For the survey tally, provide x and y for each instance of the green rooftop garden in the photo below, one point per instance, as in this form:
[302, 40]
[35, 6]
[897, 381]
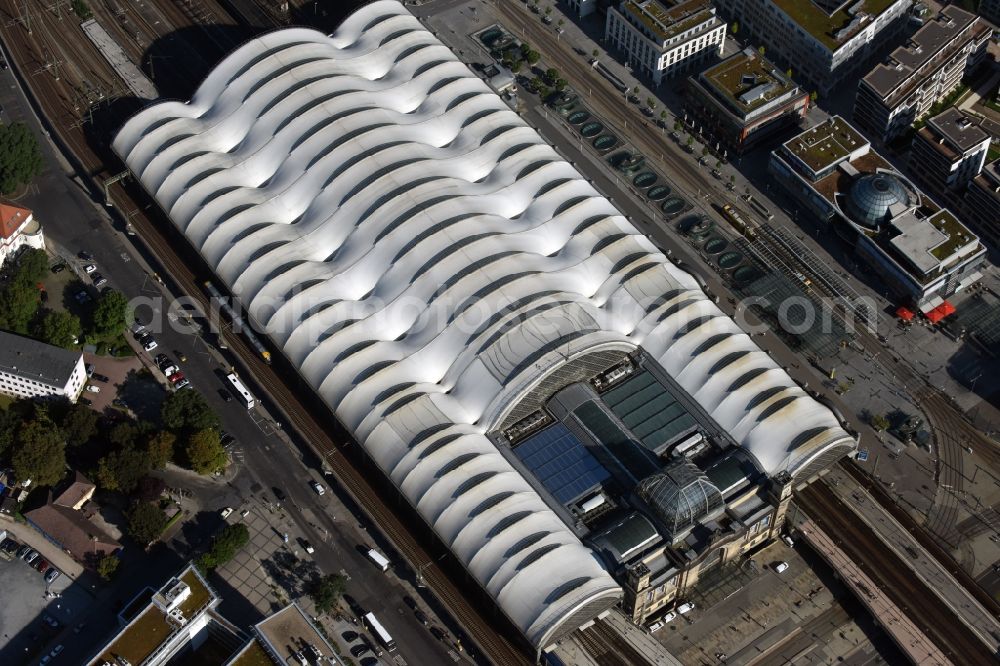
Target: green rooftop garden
[141, 638]
[199, 594]
[825, 144]
[253, 655]
[821, 25]
[727, 78]
[666, 23]
[956, 232]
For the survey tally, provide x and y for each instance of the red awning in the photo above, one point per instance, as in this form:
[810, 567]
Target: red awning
[940, 312]
[904, 313]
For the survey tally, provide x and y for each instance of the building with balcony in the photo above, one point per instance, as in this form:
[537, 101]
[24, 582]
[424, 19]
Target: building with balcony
[455, 291]
[18, 228]
[743, 100]
[659, 42]
[990, 10]
[981, 202]
[825, 42]
[926, 69]
[948, 152]
[920, 250]
[33, 369]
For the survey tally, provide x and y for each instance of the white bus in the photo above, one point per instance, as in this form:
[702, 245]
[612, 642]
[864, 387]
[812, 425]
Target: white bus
[379, 559]
[381, 634]
[241, 391]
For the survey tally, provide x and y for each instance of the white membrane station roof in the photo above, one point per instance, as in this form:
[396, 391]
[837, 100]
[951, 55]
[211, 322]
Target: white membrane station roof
[424, 259]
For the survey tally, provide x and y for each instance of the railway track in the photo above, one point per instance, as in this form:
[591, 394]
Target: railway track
[599, 651]
[893, 577]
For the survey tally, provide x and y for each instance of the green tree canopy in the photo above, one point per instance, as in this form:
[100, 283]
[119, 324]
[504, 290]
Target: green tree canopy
[122, 470]
[79, 424]
[125, 434]
[145, 522]
[32, 265]
[160, 449]
[59, 328]
[19, 302]
[149, 489]
[326, 591]
[39, 454]
[879, 422]
[20, 157]
[204, 452]
[110, 313]
[225, 546]
[187, 410]
[107, 566]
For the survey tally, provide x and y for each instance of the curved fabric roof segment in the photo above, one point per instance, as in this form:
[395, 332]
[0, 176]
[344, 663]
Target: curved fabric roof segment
[424, 257]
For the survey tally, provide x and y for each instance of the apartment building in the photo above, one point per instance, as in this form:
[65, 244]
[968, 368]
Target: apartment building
[31, 369]
[657, 42]
[920, 251]
[990, 10]
[18, 228]
[930, 65]
[744, 99]
[823, 41]
[948, 152]
[981, 202]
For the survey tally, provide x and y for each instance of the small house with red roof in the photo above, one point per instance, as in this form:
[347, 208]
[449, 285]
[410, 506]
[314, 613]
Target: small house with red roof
[18, 228]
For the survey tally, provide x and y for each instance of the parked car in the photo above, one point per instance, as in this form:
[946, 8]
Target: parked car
[279, 493]
[86, 401]
[138, 328]
[161, 359]
[41, 565]
[86, 256]
[82, 296]
[781, 567]
[99, 280]
[49, 620]
[170, 369]
[89, 268]
[788, 540]
[22, 551]
[31, 555]
[656, 626]
[182, 384]
[98, 377]
[685, 608]
[93, 389]
[52, 574]
[175, 377]
[58, 268]
[421, 618]
[225, 395]
[225, 512]
[307, 546]
[180, 356]
[318, 487]
[150, 345]
[9, 546]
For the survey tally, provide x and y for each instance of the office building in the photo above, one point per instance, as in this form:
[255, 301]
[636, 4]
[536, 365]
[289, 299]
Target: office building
[825, 42]
[921, 251]
[438, 273]
[657, 42]
[926, 69]
[744, 99]
[32, 369]
[160, 625]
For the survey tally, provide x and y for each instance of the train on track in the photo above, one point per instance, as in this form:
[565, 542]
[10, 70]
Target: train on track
[239, 323]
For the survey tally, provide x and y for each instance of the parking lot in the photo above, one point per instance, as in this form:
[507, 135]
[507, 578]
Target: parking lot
[34, 613]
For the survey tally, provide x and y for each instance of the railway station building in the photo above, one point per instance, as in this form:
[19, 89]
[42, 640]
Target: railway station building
[920, 251]
[485, 323]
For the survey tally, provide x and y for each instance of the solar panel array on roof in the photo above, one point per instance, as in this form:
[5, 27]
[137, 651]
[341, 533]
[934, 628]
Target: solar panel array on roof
[561, 462]
[646, 407]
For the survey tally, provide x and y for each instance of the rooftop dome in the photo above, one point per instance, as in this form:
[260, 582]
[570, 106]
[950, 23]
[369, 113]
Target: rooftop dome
[680, 496]
[871, 196]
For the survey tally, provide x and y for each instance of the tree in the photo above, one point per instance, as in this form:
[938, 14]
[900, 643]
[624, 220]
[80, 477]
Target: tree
[677, 126]
[718, 164]
[761, 50]
[149, 489]
[230, 540]
[595, 53]
[326, 591]
[548, 10]
[732, 179]
[20, 157]
[10, 423]
[107, 566]
[734, 28]
[561, 22]
[81, 9]
[32, 265]
[880, 422]
[204, 452]
[812, 96]
[690, 140]
[651, 103]
[530, 56]
[788, 72]
[551, 75]
[160, 449]
[663, 116]
[18, 304]
[40, 453]
[635, 91]
[124, 435]
[704, 151]
[58, 328]
[110, 313]
[122, 470]
[187, 410]
[145, 522]
[78, 424]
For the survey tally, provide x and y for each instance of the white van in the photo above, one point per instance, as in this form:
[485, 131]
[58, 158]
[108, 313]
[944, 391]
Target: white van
[685, 608]
[379, 559]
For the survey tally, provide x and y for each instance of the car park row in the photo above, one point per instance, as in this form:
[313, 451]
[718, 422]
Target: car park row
[30, 556]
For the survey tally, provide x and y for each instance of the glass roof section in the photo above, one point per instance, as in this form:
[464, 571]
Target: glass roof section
[649, 411]
[562, 463]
